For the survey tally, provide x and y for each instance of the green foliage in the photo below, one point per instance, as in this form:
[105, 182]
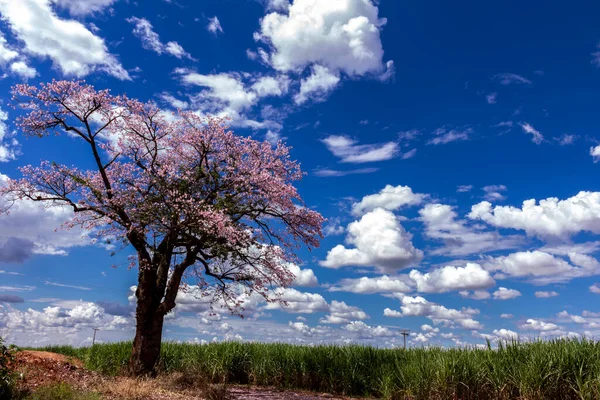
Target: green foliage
[6, 376]
[560, 369]
[61, 391]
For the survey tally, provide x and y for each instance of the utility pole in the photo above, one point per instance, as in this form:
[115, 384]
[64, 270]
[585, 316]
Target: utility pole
[405, 333]
[94, 339]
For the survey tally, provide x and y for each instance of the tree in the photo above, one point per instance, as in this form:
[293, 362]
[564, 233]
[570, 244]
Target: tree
[190, 197]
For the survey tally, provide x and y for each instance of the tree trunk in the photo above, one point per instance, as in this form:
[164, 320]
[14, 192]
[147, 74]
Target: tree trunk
[148, 337]
[149, 322]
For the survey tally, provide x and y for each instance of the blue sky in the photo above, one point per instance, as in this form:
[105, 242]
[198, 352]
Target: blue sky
[423, 127]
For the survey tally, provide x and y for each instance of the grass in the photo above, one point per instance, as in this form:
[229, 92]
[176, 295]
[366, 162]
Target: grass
[559, 369]
[61, 391]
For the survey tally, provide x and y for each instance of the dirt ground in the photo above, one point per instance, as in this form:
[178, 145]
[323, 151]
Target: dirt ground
[39, 368]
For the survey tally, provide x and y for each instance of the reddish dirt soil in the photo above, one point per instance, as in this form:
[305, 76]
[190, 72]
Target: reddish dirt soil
[40, 368]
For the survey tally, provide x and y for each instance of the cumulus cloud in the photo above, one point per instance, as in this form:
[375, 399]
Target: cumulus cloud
[537, 137]
[341, 36]
[494, 192]
[71, 324]
[542, 268]
[545, 294]
[30, 228]
[537, 325]
[9, 147]
[380, 284]
[363, 330]
[20, 68]
[595, 288]
[475, 295]
[390, 198]
[349, 151]
[84, 7]
[420, 307]
[317, 85]
[233, 95]
[379, 241]
[505, 334]
[304, 277]
[450, 278]
[442, 223]
[341, 313]
[151, 41]
[550, 218]
[595, 153]
[68, 43]
[506, 294]
[464, 188]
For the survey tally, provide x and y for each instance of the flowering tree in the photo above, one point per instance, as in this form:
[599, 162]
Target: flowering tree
[190, 197]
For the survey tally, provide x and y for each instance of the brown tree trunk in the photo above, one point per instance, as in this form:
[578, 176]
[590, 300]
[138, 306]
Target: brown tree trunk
[146, 345]
[149, 323]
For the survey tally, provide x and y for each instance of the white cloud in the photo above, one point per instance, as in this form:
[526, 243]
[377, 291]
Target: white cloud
[327, 173]
[507, 79]
[365, 331]
[339, 35]
[491, 98]
[566, 139]
[545, 294]
[7, 54]
[390, 198]
[68, 43]
[151, 41]
[380, 241]
[442, 223]
[537, 325]
[304, 277]
[464, 188]
[506, 294]
[542, 268]
[31, 228]
[214, 25]
[341, 313]
[551, 218]
[299, 302]
[493, 192]
[506, 316]
[333, 227]
[278, 5]
[475, 295]
[174, 102]
[409, 154]
[537, 137]
[449, 278]
[595, 288]
[595, 153]
[349, 151]
[9, 147]
[506, 334]
[447, 135]
[271, 86]
[420, 307]
[380, 284]
[227, 95]
[84, 7]
[21, 69]
[317, 85]
[55, 324]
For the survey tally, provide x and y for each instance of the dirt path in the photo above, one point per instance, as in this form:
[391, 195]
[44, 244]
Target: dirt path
[40, 368]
